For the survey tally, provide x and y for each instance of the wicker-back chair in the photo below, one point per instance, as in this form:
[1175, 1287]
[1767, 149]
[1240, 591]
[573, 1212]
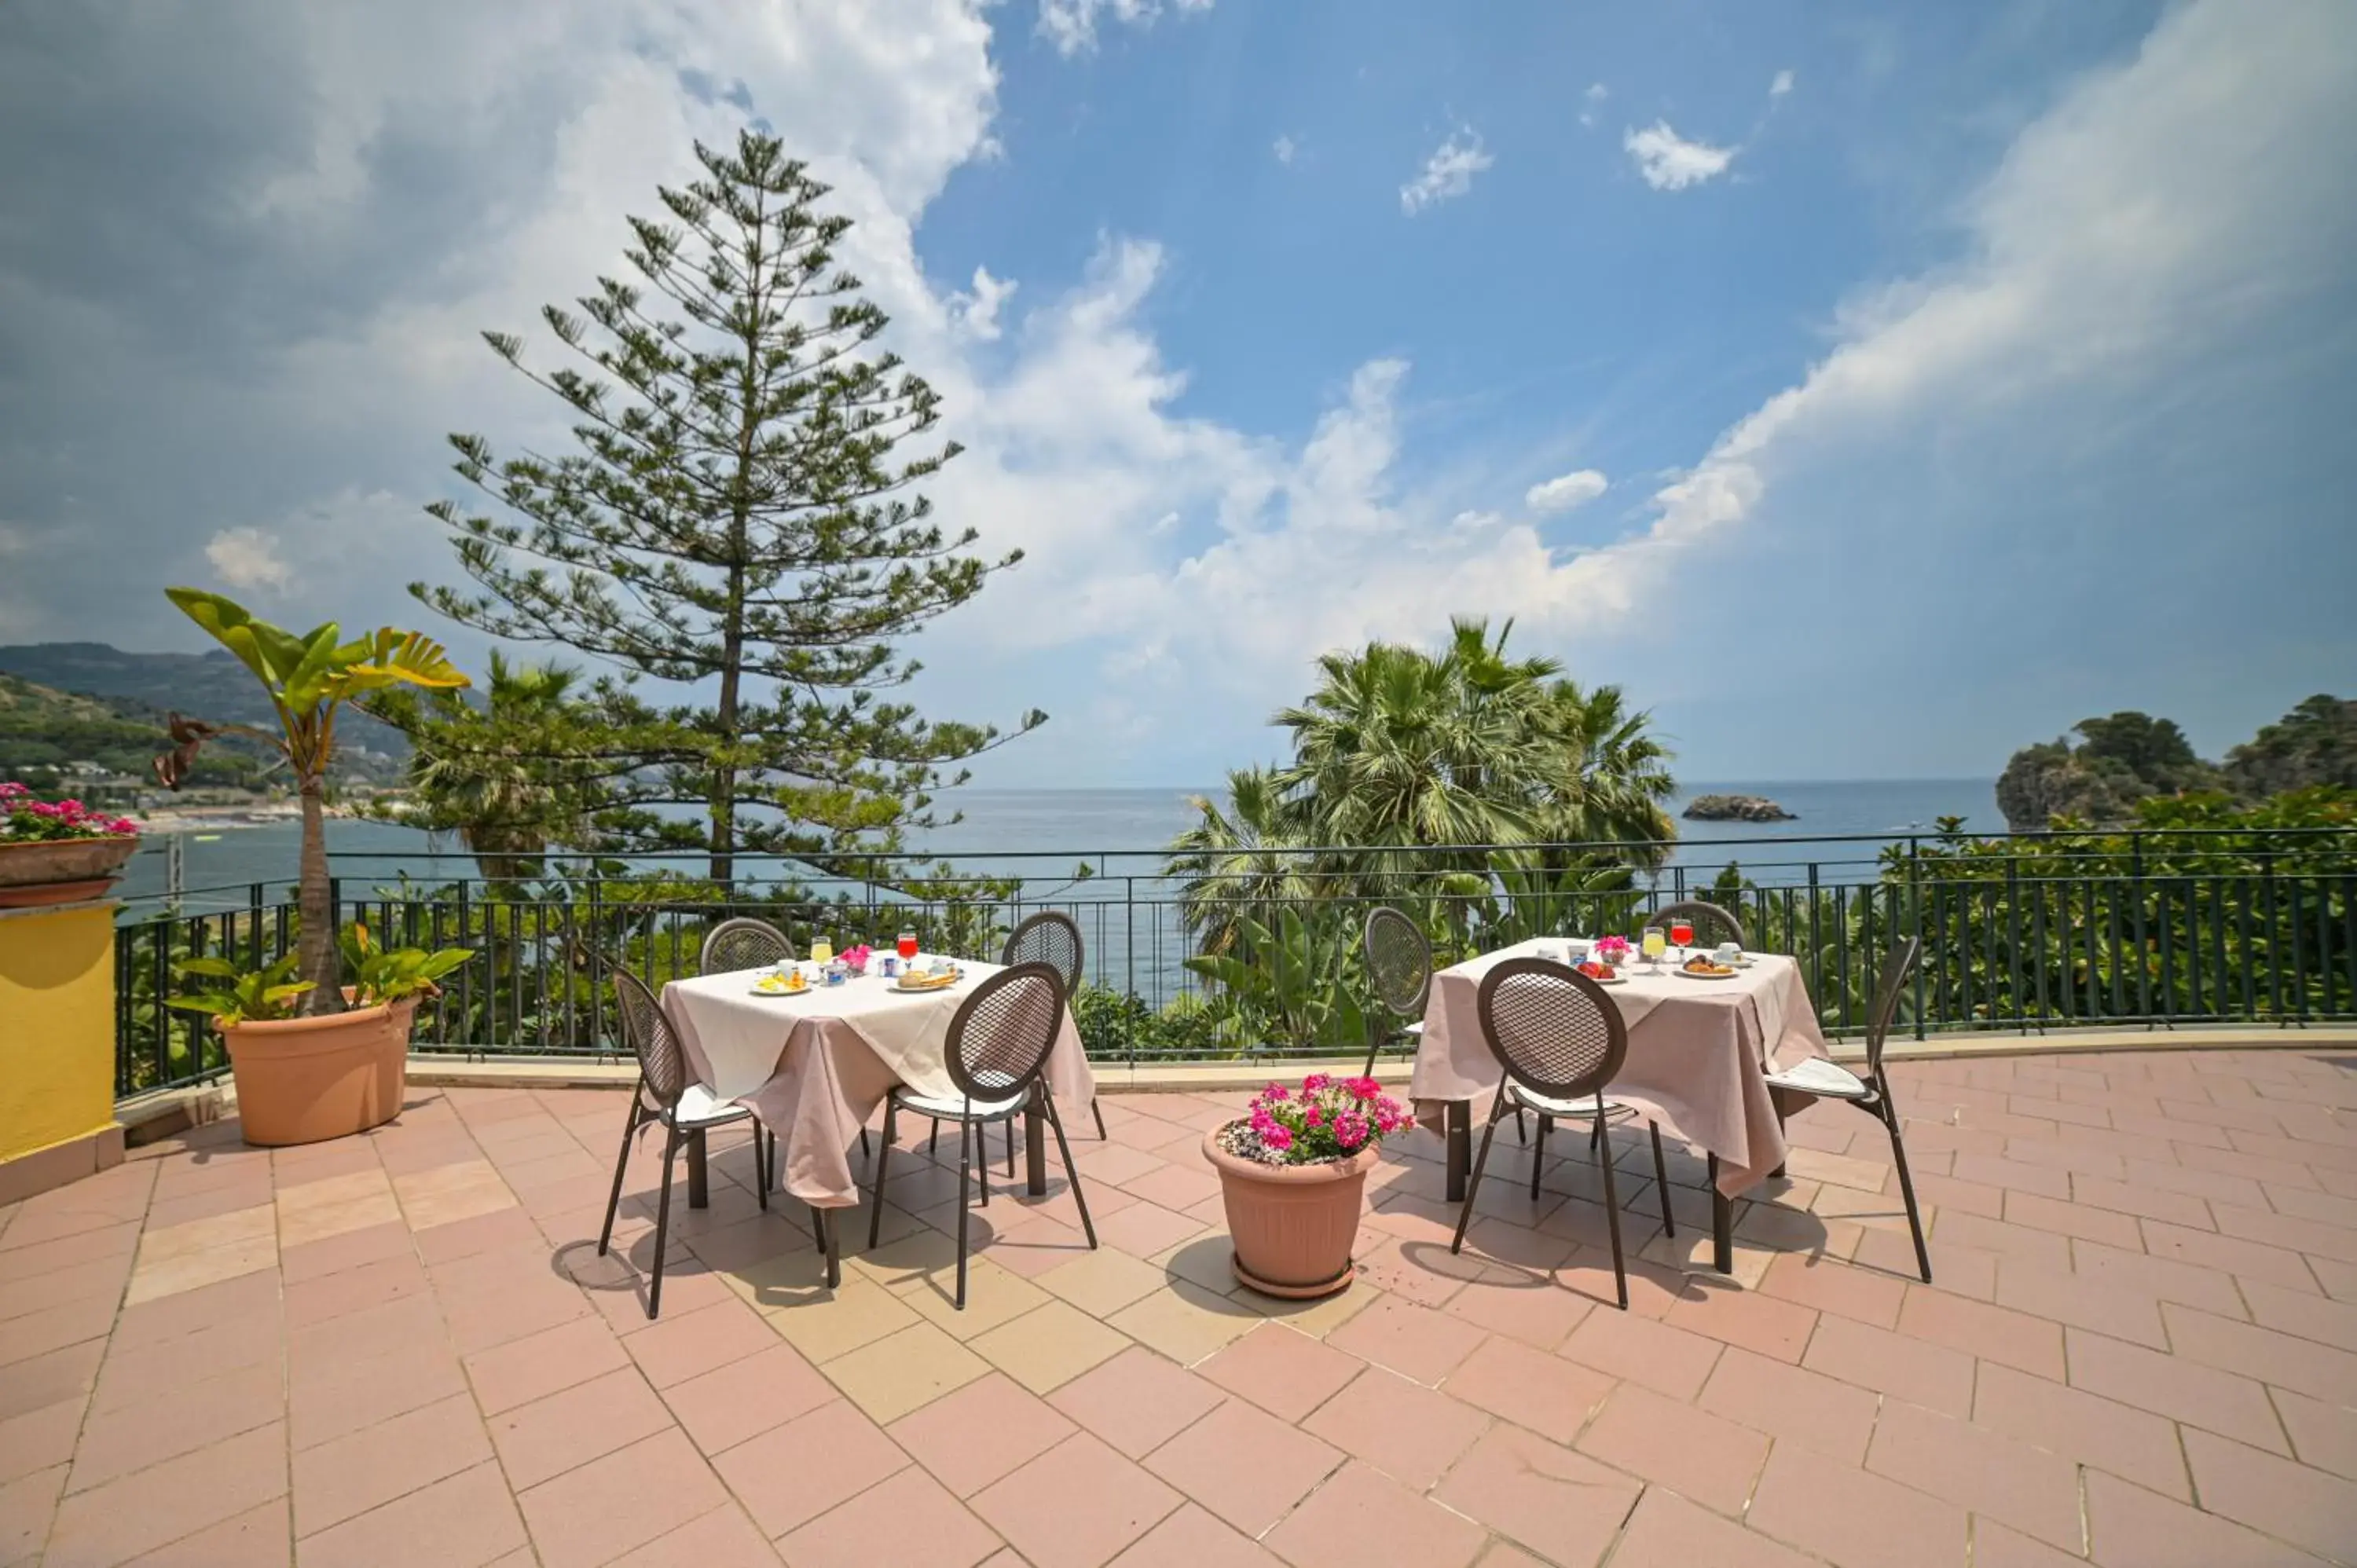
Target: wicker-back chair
[1830, 1080]
[1559, 1040]
[743, 942]
[1712, 924]
[1399, 970]
[668, 1094]
[998, 1048]
[1052, 938]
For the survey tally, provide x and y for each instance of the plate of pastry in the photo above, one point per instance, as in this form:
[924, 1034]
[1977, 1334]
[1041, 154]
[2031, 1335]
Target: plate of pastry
[1700, 967]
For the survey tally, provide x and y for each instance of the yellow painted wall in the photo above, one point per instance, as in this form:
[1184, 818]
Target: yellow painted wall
[56, 1026]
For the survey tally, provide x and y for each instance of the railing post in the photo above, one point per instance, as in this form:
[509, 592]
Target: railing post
[1915, 901]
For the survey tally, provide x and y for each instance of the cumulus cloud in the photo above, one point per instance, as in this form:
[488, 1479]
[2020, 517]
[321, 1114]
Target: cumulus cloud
[1781, 85]
[1565, 491]
[249, 558]
[1670, 162]
[1447, 174]
[1592, 102]
[1285, 149]
[977, 311]
[1071, 25]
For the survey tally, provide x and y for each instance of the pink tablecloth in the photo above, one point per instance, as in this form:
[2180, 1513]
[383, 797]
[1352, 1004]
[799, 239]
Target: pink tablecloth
[1697, 1052]
[821, 1081]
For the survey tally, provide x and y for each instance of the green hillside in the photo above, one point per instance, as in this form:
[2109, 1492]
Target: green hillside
[43, 730]
[212, 686]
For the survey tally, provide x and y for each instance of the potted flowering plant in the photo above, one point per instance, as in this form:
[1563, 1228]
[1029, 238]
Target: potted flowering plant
[57, 852]
[1293, 1174]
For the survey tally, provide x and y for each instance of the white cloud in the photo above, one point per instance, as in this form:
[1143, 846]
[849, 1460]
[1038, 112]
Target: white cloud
[1447, 174]
[250, 559]
[1591, 101]
[1286, 148]
[1565, 491]
[1670, 162]
[977, 313]
[1781, 85]
[1071, 25]
[2143, 223]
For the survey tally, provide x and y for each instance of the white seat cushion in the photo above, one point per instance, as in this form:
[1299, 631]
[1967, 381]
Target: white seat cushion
[1414, 1028]
[1580, 1109]
[1818, 1076]
[699, 1107]
[951, 1108]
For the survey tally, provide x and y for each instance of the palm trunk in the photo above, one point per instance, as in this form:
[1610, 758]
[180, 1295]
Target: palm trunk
[316, 940]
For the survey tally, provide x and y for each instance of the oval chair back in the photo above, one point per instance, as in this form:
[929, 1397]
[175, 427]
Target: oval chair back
[743, 943]
[1896, 968]
[1399, 961]
[1050, 938]
[662, 1066]
[1710, 921]
[1552, 1029]
[1000, 1040]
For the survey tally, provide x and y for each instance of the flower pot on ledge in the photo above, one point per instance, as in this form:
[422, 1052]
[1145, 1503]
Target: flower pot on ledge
[1293, 1226]
[303, 1080]
[60, 871]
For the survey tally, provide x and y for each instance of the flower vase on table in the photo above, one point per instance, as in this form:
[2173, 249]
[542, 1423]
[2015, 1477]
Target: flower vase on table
[1293, 1175]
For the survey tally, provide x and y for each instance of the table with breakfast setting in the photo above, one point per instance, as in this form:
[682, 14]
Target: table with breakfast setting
[815, 1058]
[1701, 1043]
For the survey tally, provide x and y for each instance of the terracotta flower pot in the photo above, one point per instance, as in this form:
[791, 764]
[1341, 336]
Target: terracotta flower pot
[60, 871]
[1292, 1225]
[300, 1080]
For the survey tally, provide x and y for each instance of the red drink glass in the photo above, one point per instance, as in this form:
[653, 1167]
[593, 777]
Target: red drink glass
[1681, 933]
[906, 945]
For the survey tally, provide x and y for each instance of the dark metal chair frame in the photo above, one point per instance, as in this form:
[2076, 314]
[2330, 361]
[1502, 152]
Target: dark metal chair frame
[664, 1084]
[1396, 952]
[1720, 924]
[1549, 1063]
[723, 952]
[1871, 1093]
[724, 944]
[1052, 938]
[997, 1071]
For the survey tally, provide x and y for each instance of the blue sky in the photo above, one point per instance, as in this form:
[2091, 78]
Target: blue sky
[1868, 390]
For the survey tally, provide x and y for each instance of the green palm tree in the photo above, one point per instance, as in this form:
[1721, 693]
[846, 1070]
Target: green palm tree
[1240, 865]
[1610, 776]
[509, 777]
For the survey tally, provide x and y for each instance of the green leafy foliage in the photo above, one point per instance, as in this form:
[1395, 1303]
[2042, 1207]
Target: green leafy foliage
[246, 996]
[379, 973]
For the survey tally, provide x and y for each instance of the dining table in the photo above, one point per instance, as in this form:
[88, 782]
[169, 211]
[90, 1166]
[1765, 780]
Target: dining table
[1699, 1053]
[814, 1064]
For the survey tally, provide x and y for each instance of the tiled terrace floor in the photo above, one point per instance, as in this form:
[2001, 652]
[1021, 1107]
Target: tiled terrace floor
[403, 1349]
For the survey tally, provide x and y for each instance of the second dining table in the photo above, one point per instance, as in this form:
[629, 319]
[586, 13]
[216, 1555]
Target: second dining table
[814, 1065]
[1700, 1052]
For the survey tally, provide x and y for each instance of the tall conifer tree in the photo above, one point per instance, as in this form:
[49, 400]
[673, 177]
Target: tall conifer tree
[734, 523]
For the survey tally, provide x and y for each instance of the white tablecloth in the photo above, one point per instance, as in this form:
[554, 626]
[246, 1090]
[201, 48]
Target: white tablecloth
[815, 1065]
[1698, 1050]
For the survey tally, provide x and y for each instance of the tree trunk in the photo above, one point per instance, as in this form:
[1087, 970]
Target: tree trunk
[316, 937]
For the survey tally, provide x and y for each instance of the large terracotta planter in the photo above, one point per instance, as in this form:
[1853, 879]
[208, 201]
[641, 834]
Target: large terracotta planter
[60, 871]
[300, 1080]
[1292, 1225]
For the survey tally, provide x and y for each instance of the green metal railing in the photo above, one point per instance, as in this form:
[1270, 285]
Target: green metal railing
[2022, 935]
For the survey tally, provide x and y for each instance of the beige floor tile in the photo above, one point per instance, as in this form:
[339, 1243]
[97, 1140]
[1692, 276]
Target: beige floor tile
[911, 1259]
[202, 1235]
[1048, 1347]
[1206, 1261]
[317, 1219]
[1102, 1283]
[993, 1296]
[824, 1323]
[332, 1192]
[1186, 1322]
[1315, 1318]
[193, 1270]
[1690, 1251]
[447, 1193]
[904, 1372]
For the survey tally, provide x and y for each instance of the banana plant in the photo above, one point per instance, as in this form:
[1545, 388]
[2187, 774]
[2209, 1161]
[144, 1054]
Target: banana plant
[250, 996]
[309, 677]
[1295, 982]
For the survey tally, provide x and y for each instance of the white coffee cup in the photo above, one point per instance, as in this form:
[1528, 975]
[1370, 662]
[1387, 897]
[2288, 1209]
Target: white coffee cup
[1728, 952]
